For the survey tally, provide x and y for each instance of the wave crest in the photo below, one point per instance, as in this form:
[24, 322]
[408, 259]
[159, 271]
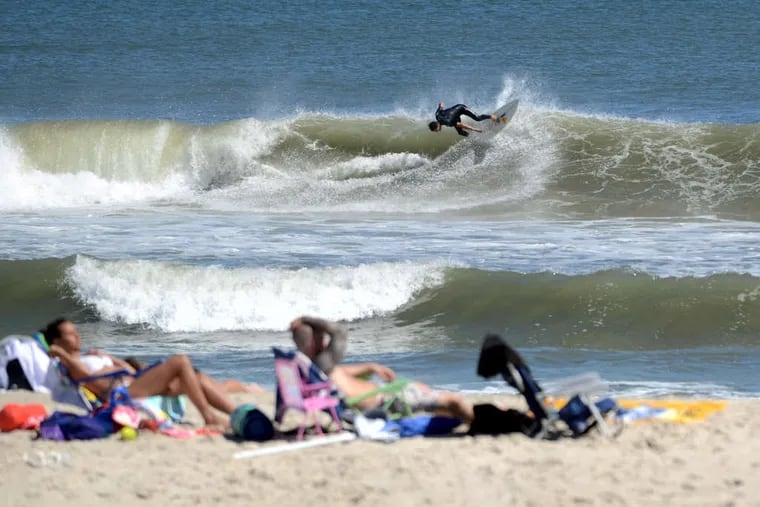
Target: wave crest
[545, 162]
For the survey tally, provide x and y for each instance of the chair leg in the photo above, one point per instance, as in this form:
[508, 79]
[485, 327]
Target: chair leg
[301, 429]
[603, 428]
[336, 419]
[316, 423]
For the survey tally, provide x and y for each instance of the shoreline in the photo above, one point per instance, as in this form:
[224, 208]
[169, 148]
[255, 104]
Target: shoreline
[712, 462]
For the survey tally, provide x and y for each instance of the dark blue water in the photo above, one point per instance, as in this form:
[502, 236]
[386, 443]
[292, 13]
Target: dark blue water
[686, 61]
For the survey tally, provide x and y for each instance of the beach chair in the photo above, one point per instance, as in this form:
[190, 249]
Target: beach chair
[580, 413]
[64, 389]
[308, 392]
[394, 406]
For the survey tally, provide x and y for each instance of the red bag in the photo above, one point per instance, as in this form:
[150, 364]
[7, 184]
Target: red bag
[21, 417]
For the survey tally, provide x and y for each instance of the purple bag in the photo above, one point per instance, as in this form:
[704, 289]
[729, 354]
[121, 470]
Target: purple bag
[68, 426]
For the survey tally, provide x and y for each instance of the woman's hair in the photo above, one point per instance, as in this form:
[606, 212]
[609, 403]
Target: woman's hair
[433, 126]
[52, 331]
[135, 363]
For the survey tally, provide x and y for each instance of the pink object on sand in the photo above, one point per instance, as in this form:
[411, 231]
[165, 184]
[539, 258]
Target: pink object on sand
[307, 398]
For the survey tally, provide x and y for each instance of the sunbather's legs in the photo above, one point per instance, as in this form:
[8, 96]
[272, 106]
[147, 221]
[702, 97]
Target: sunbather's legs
[157, 380]
[235, 386]
[212, 390]
[454, 405]
[215, 395]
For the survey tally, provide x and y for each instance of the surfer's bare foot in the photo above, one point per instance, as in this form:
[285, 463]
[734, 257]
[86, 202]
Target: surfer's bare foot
[494, 117]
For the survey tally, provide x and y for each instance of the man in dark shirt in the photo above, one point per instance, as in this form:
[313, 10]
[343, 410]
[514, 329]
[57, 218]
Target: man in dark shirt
[451, 117]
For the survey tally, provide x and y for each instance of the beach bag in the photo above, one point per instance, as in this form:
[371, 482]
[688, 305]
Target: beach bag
[250, 423]
[68, 426]
[14, 416]
[491, 420]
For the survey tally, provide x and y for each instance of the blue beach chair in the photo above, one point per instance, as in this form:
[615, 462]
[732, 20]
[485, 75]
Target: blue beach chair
[579, 414]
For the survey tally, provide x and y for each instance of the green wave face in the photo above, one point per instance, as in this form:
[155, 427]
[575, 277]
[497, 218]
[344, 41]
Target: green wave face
[614, 309]
[34, 293]
[608, 310]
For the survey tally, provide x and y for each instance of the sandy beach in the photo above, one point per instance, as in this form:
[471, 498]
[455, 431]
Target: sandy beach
[650, 463]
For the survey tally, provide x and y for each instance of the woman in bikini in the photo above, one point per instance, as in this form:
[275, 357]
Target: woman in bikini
[173, 376]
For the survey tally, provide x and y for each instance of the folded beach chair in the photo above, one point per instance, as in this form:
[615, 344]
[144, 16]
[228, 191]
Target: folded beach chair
[580, 413]
[303, 387]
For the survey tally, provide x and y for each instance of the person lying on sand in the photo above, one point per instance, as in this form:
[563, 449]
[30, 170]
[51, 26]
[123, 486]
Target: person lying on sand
[172, 377]
[351, 379]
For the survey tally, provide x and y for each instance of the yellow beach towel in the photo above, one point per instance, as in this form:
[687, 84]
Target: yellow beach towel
[678, 411]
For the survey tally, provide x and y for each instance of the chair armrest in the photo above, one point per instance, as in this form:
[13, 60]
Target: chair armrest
[317, 386]
[391, 387]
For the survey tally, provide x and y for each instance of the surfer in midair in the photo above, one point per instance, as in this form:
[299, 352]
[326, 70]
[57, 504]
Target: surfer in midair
[452, 116]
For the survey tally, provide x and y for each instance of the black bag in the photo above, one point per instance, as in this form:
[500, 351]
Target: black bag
[491, 420]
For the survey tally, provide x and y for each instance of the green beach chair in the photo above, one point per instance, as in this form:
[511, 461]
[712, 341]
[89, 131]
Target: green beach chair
[394, 404]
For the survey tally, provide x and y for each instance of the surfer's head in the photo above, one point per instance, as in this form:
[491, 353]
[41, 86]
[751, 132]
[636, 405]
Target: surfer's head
[434, 126]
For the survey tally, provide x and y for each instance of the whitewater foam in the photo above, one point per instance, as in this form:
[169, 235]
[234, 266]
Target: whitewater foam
[544, 162]
[175, 298]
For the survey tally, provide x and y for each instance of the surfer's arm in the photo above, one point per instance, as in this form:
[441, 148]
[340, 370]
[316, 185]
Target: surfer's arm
[467, 127]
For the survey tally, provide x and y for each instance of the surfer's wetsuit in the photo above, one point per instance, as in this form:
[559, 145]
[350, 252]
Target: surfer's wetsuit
[452, 115]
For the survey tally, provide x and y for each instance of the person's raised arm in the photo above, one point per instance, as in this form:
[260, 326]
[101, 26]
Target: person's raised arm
[367, 369]
[331, 355]
[77, 370]
[468, 127]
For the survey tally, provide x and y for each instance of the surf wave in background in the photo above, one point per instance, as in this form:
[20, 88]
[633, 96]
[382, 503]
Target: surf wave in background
[614, 309]
[174, 297]
[550, 162]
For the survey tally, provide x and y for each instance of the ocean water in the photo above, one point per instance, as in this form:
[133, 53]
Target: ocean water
[191, 178]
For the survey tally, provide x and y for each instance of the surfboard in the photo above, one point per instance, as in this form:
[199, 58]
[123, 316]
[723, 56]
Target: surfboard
[504, 115]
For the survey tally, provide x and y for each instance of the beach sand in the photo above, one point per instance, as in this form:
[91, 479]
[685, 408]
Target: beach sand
[650, 463]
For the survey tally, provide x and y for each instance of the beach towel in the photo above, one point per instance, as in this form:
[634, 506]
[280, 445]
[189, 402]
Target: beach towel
[676, 411]
[23, 364]
[161, 411]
